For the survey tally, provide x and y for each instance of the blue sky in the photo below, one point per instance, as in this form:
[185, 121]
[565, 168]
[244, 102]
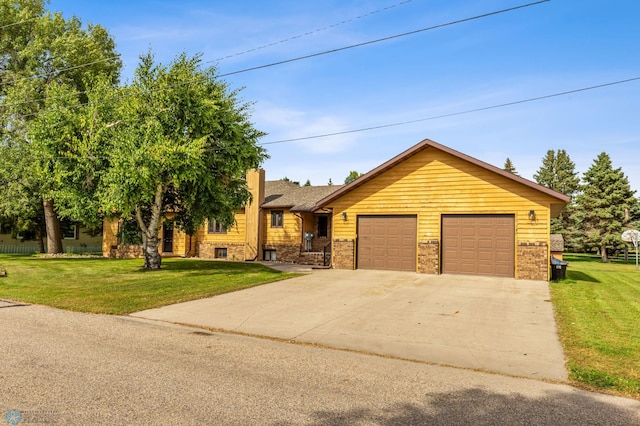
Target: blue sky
[557, 46]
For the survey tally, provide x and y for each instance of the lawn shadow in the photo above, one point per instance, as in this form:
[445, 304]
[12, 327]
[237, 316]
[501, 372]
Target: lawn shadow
[481, 407]
[581, 276]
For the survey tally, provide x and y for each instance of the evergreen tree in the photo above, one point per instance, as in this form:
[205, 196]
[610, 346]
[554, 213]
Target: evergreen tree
[330, 183]
[509, 167]
[601, 207]
[307, 183]
[558, 173]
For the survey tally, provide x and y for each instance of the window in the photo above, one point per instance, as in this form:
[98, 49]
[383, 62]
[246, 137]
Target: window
[69, 230]
[323, 226]
[215, 227]
[270, 255]
[277, 218]
[220, 253]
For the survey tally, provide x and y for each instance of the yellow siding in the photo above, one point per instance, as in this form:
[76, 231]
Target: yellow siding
[236, 234]
[432, 183]
[290, 233]
[109, 232]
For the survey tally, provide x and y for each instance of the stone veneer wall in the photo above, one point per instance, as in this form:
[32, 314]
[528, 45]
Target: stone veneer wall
[126, 251]
[343, 253]
[235, 251]
[285, 252]
[533, 261]
[428, 257]
[311, 258]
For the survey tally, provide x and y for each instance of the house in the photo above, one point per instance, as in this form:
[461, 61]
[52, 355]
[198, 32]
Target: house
[76, 238]
[280, 224]
[434, 210]
[430, 210]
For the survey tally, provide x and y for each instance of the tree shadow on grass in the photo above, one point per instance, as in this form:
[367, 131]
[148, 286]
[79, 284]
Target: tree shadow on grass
[481, 407]
[581, 276]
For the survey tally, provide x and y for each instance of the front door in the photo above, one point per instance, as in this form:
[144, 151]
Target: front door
[167, 237]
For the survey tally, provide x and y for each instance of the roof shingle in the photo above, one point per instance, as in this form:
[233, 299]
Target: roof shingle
[284, 194]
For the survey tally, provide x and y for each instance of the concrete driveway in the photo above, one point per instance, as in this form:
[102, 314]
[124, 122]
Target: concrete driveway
[492, 324]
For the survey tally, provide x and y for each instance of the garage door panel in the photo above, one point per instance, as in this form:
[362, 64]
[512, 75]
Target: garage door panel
[478, 244]
[387, 242]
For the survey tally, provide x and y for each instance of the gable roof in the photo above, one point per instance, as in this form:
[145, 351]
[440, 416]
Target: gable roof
[556, 208]
[283, 194]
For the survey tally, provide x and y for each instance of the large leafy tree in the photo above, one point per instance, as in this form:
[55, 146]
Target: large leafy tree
[45, 60]
[558, 172]
[603, 205]
[182, 146]
[353, 175]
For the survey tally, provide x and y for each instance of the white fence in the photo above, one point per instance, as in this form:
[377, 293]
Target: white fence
[30, 248]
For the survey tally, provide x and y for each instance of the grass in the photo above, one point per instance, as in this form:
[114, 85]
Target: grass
[598, 315]
[597, 306]
[111, 286]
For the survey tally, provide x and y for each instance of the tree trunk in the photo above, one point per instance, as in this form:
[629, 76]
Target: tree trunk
[603, 253]
[150, 239]
[152, 258]
[52, 224]
[40, 238]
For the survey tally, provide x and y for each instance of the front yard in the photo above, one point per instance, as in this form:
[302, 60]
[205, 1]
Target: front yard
[597, 306]
[110, 286]
[598, 315]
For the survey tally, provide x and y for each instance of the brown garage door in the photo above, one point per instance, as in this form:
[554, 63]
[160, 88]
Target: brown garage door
[387, 242]
[478, 244]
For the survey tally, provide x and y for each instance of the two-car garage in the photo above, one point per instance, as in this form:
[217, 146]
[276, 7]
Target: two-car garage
[434, 210]
[471, 244]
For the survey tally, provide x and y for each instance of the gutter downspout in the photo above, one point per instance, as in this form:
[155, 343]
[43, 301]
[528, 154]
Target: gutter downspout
[302, 227]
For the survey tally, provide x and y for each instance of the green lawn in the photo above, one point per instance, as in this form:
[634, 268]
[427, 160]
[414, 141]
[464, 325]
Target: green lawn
[113, 286]
[598, 314]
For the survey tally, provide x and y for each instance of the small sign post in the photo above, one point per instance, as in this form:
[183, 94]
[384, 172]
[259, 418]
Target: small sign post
[632, 236]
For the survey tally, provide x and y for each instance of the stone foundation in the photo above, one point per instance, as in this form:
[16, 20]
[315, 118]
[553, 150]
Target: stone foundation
[428, 257]
[319, 243]
[235, 251]
[284, 252]
[311, 258]
[344, 254]
[533, 261]
[127, 251]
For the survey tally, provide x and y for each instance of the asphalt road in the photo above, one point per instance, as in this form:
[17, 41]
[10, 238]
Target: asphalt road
[60, 367]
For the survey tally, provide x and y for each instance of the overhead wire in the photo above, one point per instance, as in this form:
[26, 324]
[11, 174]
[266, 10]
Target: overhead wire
[453, 114]
[6, 83]
[18, 23]
[214, 60]
[366, 43]
[308, 33]
[326, 52]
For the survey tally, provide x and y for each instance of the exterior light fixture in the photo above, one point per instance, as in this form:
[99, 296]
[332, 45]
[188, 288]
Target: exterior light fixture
[344, 216]
[532, 215]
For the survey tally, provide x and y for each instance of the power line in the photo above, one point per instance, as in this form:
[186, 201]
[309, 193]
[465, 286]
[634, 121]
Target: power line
[459, 21]
[56, 72]
[340, 49]
[435, 117]
[18, 23]
[308, 33]
[215, 60]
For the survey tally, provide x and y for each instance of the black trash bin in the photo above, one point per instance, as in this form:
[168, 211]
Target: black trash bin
[558, 269]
